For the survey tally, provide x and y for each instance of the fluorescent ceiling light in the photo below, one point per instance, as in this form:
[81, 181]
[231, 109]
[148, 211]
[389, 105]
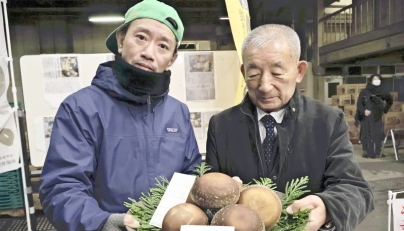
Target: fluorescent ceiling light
[106, 19]
[224, 18]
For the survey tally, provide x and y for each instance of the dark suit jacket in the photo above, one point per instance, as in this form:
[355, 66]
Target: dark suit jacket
[313, 141]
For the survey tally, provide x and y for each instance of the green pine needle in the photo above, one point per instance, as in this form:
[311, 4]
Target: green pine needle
[296, 221]
[267, 182]
[202, 169]
[143, 210]
[293, 222]
[294, 190]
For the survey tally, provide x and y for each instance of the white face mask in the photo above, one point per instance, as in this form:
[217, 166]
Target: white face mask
[376, 82]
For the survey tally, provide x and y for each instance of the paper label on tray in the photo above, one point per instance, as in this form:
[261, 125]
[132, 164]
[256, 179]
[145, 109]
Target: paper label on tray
[176, 193]
[206, 228]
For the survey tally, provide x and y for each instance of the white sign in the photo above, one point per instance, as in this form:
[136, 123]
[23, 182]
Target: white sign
[176, 193]
[206, 228]
[9, 153]
[398, 214]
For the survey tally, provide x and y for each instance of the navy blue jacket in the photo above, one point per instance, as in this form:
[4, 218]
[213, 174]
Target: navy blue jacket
[108, 145]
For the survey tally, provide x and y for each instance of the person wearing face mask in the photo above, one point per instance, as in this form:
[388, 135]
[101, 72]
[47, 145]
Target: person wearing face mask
[111, 140]
[373, 102]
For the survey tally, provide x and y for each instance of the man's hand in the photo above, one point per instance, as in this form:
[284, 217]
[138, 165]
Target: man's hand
[117, 221]
[239, 182]
[367, 112]
[318, 211]
[130, 222]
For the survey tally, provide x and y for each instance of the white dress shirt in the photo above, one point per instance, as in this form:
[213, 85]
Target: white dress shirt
[278, 116]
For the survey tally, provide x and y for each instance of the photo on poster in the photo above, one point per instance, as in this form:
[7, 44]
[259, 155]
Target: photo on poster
[199, 76]
[48, 125]
[200, 123]
[201, 62]
[43, 126]
[69, 66]
[196, 119]
[47, 128]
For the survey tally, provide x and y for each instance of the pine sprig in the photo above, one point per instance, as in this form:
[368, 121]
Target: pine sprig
[292, 222]
[202, 169]
[296, 221]
[143, 210]
[245, 185]
[267, 182]
[294, 189]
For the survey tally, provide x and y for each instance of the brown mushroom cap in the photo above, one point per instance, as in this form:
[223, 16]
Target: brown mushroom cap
[239, 216]
[215, 190]
[264, 201]
[189, 199]
[183, 214]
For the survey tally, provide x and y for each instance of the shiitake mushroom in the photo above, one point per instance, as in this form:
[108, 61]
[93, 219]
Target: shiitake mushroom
[215, 190]
[240, 216]
[183, 214]
[264, 201]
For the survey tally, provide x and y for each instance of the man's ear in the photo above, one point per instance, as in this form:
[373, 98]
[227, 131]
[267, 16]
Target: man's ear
[301, 70]
[120, 36]
[175, 56]
[242, 70]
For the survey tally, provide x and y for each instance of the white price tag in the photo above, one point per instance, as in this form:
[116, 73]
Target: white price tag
[176, 193]
[206, 228]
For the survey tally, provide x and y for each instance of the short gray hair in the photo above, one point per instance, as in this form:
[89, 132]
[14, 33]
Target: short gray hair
[263, 35]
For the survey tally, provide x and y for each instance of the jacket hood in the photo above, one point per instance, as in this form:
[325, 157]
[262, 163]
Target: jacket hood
[106, 80]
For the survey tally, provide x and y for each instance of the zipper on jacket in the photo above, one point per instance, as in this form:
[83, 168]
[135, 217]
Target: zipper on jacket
[256, 144]
[148, 104]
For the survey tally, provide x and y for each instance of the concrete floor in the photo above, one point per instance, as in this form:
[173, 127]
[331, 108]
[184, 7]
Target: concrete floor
[383, 174]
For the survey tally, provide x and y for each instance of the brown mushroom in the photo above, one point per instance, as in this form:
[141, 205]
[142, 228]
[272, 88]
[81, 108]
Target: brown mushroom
[240, 216]
[215, 190]
[264, 201]
[183, 214]
[189, 199]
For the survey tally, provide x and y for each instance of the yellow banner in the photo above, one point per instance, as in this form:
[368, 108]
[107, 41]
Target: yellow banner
[237, 11]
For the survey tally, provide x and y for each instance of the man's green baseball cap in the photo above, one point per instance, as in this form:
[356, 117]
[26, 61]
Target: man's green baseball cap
[152, 9]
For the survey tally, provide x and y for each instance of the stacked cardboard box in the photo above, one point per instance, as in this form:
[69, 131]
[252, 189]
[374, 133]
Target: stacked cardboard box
[394, 119]
[347, 99]
[347, 94]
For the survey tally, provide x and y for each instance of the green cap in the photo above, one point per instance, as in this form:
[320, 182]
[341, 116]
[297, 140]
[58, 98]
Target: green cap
[152, 9]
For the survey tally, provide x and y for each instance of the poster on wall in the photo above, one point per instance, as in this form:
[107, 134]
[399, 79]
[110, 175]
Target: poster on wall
[9, 152]
[200, 123]
[199, 76]
[43, 130]
[61, 74]
[109, 57]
